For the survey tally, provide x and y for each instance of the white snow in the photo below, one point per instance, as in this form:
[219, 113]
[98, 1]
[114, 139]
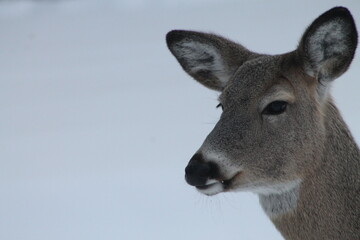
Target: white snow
[98, 120]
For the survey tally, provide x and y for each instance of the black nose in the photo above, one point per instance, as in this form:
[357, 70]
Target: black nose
[198, 171]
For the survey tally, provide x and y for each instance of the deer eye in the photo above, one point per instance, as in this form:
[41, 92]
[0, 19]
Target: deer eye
[275, 108]
[220, 105]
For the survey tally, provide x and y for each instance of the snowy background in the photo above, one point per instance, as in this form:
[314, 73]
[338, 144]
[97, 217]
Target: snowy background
[98, 120]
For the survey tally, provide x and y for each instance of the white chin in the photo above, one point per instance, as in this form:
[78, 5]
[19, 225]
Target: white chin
[211, 189]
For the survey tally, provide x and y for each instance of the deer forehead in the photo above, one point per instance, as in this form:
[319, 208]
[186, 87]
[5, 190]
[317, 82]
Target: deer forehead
[260, 79]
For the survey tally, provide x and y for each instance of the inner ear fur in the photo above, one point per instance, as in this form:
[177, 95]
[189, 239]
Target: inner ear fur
[328, 45]
[208, 58]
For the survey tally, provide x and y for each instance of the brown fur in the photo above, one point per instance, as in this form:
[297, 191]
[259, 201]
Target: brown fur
[329, 202]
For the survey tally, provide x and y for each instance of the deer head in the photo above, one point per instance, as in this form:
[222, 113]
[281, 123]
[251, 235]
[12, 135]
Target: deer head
[271, 132]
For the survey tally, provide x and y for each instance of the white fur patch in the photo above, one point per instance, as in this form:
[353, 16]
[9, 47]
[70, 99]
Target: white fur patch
[279, 199]
[202, 57]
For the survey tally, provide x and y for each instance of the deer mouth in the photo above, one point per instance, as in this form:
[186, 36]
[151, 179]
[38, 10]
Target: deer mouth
[211, 187]
[215, 186]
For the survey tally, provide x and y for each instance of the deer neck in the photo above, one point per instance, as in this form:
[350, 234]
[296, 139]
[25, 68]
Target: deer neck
[325, 204]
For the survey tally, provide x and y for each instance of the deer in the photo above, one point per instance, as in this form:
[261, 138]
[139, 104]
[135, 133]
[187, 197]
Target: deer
[280, 134]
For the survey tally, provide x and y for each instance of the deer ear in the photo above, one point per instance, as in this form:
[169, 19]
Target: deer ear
[209, 59]
[328, 46]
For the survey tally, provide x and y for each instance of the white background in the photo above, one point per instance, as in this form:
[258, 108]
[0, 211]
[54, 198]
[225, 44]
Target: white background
[98, 120]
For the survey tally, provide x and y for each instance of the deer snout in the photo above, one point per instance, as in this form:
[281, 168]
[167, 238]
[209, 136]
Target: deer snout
[198, 171]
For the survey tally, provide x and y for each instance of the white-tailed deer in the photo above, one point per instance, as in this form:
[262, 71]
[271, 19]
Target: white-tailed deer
[280, 134]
